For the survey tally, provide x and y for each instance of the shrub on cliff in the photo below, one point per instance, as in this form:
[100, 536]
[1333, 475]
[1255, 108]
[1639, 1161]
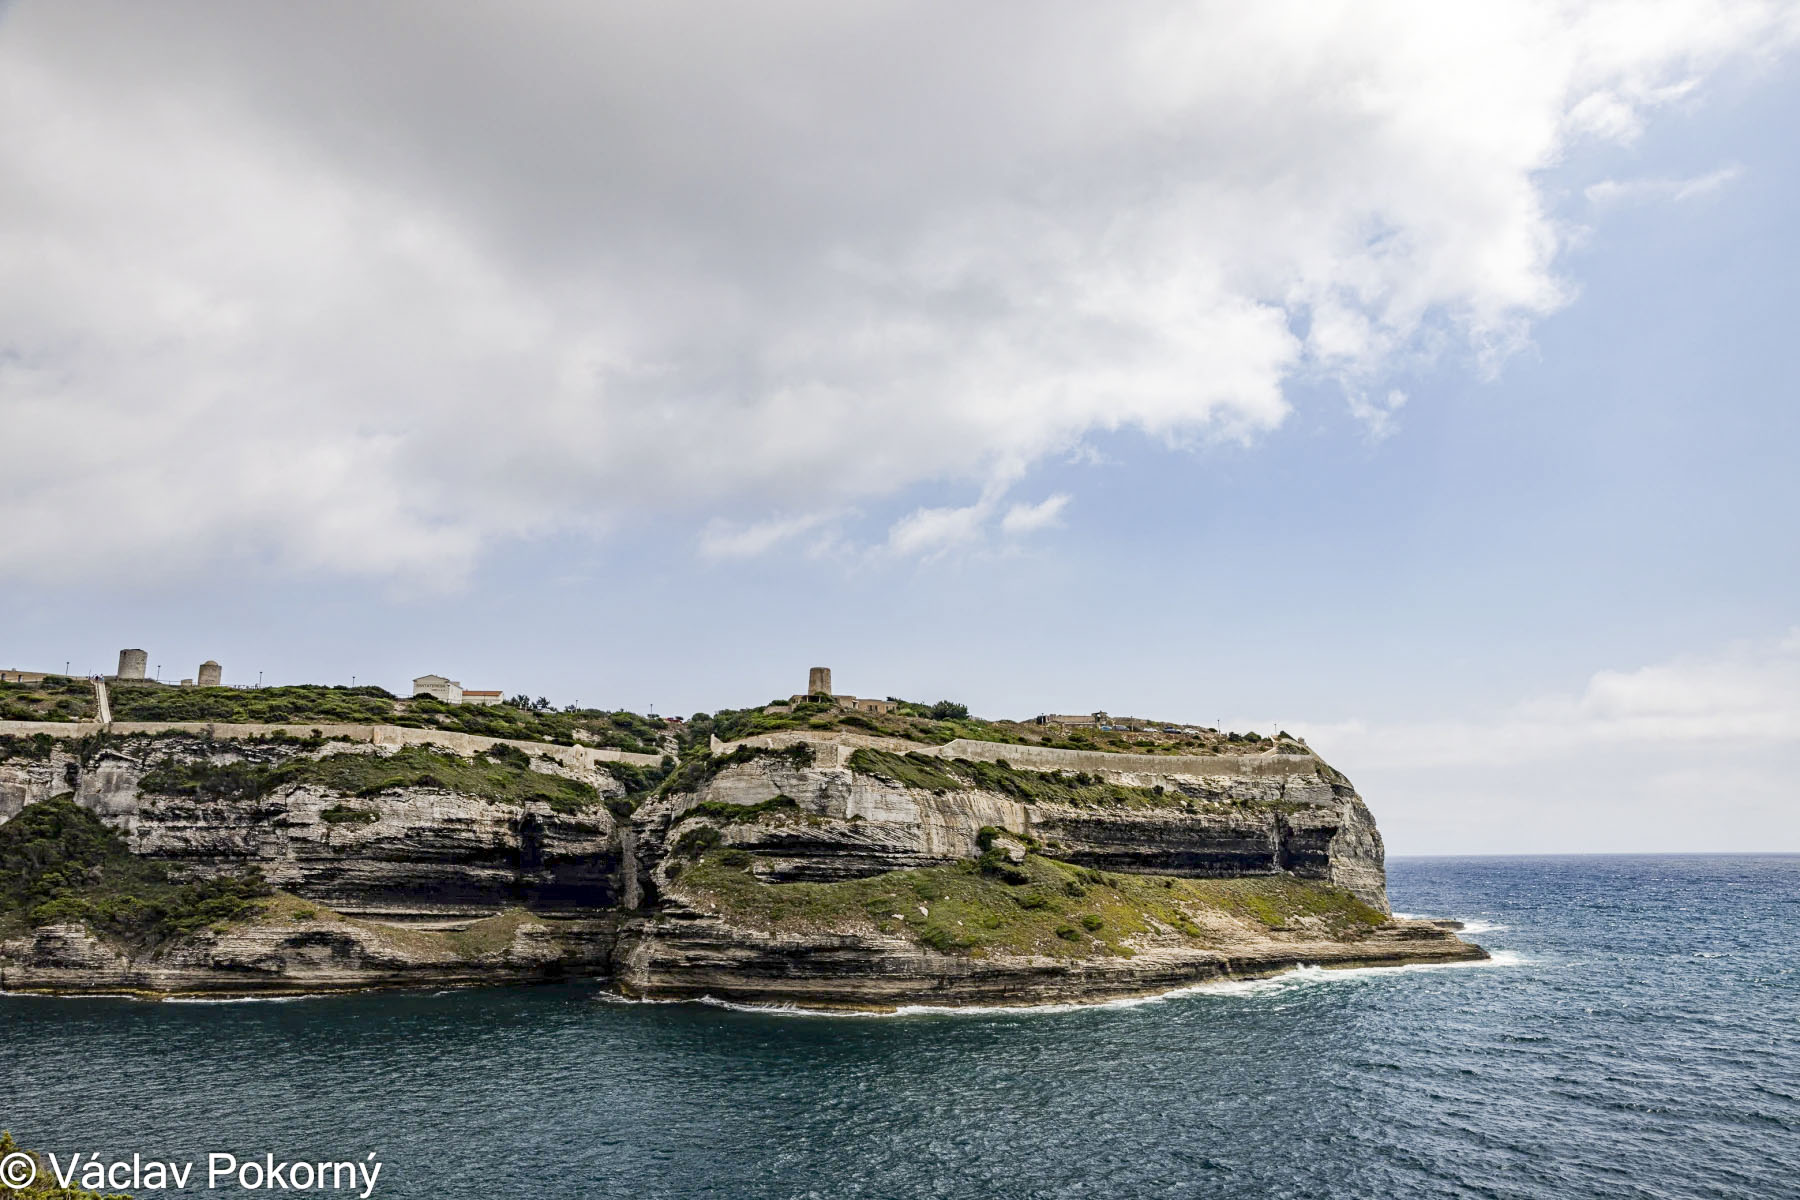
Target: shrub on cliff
[43, 1187]
[957, 908]
[1028, 787]
[505, 777]
[696, 841]
[36, 748]
[696, 771]
[60, 863]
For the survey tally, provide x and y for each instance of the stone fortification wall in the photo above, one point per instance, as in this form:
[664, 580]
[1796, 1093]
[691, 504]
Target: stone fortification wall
[578, 757]
[834, 748]
[830, 748]
[61, 729]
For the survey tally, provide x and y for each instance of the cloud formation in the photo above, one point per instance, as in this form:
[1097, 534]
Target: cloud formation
[368, 291]
[1746, 695]
[1624, 191]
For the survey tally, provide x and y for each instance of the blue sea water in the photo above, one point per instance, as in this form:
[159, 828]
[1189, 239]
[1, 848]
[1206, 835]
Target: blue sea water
[1637, 1036]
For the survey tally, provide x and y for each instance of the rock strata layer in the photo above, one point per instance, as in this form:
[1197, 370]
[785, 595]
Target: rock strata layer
[425, 885]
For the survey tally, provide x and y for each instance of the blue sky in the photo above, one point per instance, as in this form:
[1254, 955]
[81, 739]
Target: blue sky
[1545, 604]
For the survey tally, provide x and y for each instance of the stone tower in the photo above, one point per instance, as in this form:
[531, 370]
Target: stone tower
[818, 681]
[209, 674]
[133, 663]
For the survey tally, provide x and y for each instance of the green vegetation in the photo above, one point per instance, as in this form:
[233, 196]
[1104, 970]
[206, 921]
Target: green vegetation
[911, 721]
[56, 698]
[343, 814]
[300, 705]
[60, 863]
[1058, 909]
[43, 1187]
[318, 705]
[1028, 787]
[700, 767]
[620, 730]
[718, 810]
[696, 841]
[209, 781]
[947, 720]
[499, 776]
[498, 781]
[35, 748]
[639, 781]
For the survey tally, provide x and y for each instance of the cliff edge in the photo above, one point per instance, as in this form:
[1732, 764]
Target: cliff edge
[823, 868]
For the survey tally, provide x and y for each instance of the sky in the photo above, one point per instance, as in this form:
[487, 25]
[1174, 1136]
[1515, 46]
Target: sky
[1417, 378]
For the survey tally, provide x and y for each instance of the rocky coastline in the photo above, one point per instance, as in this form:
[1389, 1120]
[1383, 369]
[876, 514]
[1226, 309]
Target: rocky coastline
[813, 874]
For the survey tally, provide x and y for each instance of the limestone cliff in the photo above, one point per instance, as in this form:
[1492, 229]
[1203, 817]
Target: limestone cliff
[822, 876]
[852, 823]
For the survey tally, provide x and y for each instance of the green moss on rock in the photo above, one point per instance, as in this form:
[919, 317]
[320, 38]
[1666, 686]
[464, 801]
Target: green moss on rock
[960, 909]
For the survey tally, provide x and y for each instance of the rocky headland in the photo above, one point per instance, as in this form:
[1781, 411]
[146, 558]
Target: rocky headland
[838, 866]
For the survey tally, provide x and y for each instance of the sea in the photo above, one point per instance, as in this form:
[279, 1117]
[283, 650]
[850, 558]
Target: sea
[1636, 1034]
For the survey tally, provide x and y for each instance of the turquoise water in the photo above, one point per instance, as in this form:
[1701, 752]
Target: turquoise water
[1639, 1036]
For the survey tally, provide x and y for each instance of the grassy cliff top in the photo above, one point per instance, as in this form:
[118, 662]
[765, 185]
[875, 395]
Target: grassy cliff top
[502, 775]
[57, 698]
[917, 722]
[1078, 788]
[315, 704]
[926, 724]
[1045, 907]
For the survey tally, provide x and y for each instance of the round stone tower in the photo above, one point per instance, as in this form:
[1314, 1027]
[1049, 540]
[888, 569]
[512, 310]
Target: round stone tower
[818, 681]
[208, 675]
[133, 664]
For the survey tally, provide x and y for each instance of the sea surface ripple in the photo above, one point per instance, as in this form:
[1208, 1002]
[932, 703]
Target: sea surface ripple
[1638, 1036]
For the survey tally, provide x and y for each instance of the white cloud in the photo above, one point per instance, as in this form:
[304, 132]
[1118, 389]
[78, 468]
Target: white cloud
[369, 297]
[1697, 754]
[928, 531]
[1744, 695]
[723, 539]
[1022, 519]
[1610, 192]
[1377, 416]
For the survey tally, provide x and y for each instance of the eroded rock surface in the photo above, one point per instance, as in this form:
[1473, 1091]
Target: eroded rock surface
[591, 893]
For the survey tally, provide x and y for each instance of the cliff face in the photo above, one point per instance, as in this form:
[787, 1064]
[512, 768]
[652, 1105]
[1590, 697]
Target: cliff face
[753, 881]
[848, 825]
[406, 850]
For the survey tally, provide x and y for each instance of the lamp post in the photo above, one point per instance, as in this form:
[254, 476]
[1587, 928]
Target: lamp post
[259, 679]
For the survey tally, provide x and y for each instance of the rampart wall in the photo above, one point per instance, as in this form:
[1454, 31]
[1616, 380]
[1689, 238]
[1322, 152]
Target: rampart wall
[833, 749]
[578, 757]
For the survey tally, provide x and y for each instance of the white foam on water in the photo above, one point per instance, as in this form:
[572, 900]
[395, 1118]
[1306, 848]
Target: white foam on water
[291, 999]
[76, 995]
[154, 998]
[1295, 977]
[1469, 924]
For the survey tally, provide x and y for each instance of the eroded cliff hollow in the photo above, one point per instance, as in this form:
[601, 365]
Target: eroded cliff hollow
[807, 873]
